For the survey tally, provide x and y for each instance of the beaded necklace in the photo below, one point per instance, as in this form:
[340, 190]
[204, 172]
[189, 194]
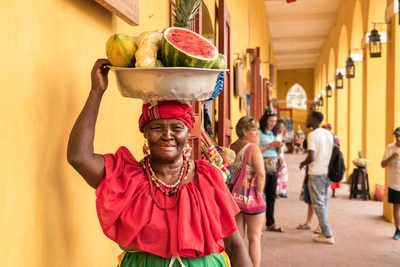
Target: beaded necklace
[169, 190]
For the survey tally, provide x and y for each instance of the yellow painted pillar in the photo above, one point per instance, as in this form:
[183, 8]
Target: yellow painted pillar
[374, 115]
[330, 108]
[392, 98]
[353, 89]
[340, 128]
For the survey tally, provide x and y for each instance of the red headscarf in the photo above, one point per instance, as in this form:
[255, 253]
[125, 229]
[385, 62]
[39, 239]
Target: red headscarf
[166, 110]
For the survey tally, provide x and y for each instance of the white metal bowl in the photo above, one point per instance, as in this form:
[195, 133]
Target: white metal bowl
[361, 164]
[166, 83]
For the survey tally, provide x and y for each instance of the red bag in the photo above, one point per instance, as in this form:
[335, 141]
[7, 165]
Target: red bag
[379, 191]
[244, 191]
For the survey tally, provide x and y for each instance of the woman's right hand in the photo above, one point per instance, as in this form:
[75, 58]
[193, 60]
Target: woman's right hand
[100, 74]
[80, 151]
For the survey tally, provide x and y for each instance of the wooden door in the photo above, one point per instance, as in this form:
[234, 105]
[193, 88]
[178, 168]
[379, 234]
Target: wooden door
[224, 99]
[256, 93]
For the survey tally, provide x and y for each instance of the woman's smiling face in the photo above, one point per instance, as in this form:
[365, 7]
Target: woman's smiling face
[166, 139]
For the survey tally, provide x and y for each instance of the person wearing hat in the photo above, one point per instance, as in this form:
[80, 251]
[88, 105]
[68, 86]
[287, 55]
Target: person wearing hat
[165, 209]
[391, 159]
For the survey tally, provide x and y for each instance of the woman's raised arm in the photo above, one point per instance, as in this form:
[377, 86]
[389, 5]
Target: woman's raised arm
[80, 151]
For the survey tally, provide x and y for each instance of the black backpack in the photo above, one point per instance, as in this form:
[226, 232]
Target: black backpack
[336, 167]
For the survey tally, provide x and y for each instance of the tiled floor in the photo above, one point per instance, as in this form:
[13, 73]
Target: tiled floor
[362, 236]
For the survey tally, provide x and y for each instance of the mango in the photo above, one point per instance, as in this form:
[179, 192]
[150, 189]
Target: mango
[121, 49]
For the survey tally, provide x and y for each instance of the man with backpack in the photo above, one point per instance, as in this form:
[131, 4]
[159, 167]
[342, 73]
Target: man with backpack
[319, 151]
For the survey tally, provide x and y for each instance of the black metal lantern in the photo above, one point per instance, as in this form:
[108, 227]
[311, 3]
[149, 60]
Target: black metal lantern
[320, 101]
[315, 106]
[350, 68]
[328, 90]
[375, 44]
[339, 81]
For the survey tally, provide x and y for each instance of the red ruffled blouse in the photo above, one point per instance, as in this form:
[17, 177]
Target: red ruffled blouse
[204, 215]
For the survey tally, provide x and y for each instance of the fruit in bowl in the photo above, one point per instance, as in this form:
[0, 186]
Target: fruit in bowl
[361, 162]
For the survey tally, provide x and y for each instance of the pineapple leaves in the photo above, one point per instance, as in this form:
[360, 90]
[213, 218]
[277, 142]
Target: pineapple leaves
[184, 12]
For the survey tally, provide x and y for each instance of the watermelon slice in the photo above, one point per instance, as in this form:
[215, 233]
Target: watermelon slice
[181, 47]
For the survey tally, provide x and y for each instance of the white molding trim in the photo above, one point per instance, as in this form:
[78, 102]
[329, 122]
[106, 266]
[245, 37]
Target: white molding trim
[341, 70]
[391, 9]
[382, 35]
[356, 56]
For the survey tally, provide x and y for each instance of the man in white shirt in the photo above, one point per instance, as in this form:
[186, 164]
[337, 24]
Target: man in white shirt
[319, 151]
[391, 159]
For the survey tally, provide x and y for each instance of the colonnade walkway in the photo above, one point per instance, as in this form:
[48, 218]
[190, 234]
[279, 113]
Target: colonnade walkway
[362, 236]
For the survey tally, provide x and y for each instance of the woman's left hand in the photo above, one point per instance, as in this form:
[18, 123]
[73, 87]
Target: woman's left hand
[277, 144]
[236, 250]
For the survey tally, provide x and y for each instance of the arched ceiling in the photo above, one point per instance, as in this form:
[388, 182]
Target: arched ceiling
[299, 30]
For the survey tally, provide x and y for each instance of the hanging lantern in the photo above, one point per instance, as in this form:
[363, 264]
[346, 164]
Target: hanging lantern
[339, 81]
[328, 90]
[320, 101]
[350, 68]
[375, 44]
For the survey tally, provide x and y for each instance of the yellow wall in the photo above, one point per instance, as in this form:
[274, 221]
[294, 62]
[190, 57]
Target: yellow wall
[363, 110]
[248, 31]
[48, 49]
[343, 110]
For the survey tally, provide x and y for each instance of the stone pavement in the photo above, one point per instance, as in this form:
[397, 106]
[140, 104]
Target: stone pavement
[362, 236]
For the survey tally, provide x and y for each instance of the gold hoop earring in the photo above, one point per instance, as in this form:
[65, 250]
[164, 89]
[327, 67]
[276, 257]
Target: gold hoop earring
[146, 150]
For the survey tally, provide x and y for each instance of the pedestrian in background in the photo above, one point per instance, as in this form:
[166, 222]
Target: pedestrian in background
[334, 185]
[319, 152]
[283, 175]
[270, 149]
[249, 138]
[305, 196]
[391, 159]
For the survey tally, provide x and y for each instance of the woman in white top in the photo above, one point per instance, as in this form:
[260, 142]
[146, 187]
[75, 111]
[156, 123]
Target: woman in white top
[283, 175]
[247, 131]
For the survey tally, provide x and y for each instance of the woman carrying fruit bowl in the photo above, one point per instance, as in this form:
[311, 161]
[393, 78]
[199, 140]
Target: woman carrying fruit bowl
[165, 209]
